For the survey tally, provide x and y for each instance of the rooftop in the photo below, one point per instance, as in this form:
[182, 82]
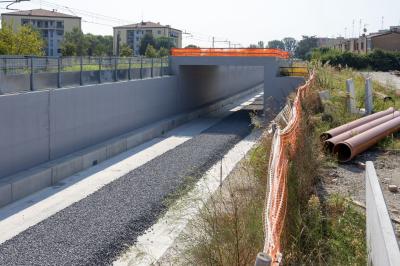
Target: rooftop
[40, 13]
[145, 24]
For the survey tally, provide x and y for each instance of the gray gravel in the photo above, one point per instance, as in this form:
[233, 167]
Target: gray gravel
[95, 230]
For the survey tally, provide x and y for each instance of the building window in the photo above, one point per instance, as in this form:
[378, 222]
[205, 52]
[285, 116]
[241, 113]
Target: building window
[60, 32]
[159, 31]
[25, 21]
[60, 24]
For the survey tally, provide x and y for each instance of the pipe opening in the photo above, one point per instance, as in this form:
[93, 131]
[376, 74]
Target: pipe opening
[328, 146]
[343, 152]
[325, 136]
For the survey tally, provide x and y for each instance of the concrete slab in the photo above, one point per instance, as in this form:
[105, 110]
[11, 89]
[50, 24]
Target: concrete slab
[28, 183]
[5, 194]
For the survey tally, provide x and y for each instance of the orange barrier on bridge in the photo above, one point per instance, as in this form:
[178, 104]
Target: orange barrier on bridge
[244, 52]
[283, 148]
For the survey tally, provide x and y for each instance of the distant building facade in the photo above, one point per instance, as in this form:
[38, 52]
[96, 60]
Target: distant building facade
[132, 35]
[52, 25]
[388, 40]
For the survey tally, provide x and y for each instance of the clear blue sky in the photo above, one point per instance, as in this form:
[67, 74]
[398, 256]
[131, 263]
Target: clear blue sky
[241, 22]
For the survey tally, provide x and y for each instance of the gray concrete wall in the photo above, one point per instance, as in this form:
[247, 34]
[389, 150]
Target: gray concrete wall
[381, 239]
[46, 125]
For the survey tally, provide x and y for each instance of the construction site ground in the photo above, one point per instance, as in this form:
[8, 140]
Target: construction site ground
[348, 180]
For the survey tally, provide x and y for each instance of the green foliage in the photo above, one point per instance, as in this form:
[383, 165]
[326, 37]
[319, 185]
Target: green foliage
[163, 52]
[377, 60]
[260, 44]
[26, 41]
[126, 51]
[277, 44]
[305, 46]
[164, 42]
[290, 44]
[191, 46]
[151, 52]
[76, 43]
[146, 40]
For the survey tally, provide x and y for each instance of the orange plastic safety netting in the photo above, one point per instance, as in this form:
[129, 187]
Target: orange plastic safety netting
[244, 52]
[283, 147]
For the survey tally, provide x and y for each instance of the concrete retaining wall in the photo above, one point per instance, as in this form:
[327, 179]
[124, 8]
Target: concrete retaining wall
[41, 126]
[381, 240]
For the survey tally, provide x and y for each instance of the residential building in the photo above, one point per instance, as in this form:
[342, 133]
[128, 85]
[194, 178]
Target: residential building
[51, 24]
[132, 35]
[328, 42]
[388, 40]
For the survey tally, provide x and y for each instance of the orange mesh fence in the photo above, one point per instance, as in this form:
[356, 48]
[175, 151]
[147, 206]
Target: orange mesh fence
[283, 147]
[244, 52]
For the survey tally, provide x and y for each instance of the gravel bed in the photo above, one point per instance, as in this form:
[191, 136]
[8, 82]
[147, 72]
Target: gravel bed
[95, 230]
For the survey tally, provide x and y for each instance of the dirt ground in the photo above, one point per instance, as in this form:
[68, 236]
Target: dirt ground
[349, 179]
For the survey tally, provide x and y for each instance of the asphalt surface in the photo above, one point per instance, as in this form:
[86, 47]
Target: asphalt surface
[95, 230]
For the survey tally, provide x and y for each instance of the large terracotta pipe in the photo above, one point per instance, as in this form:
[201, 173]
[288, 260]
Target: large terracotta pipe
[346, 150]
[339, 130]
[330, 143]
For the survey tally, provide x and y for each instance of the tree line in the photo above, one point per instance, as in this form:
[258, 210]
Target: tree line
[300, 49]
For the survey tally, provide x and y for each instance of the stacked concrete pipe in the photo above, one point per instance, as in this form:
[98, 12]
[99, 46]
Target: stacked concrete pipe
[351, 139]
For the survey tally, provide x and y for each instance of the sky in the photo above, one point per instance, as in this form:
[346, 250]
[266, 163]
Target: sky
[240, 22]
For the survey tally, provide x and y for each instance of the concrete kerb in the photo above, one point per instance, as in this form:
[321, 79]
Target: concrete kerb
[32, 180]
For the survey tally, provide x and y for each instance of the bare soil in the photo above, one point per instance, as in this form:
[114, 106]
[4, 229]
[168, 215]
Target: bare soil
[348, 180]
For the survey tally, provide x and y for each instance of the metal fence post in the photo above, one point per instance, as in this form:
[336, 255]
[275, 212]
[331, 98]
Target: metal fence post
[5, 65]
[161, 69]
[141, 67]
[59, 62]
[81, 71]
[129, 68]
[115, 69]
[152, 67]
[100, 69]
[32, 87]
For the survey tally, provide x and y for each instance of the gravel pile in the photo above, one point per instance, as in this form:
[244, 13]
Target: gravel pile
[95, 230]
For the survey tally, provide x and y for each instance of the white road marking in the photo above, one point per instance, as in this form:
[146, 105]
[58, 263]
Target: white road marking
[151, 246]
[20, 215]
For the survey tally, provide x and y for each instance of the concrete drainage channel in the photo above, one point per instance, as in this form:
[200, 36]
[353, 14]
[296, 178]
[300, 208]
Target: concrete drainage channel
[27, 182]
[98, 212]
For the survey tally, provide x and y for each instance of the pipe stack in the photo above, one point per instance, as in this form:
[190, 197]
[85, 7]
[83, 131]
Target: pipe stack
[351, 139]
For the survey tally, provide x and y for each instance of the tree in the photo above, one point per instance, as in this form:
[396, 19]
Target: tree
[147, 39]
[290, 44]
[151, 51]
[163, 52]
[26, 41]
[165, 42]
[191, 46]
[260, 44]
[305, 46]
[126, 51]
[75, 42]
[253, 46]
[277, 44]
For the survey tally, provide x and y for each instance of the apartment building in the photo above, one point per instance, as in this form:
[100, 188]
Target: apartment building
[388, 40]
[51, 24]
[132, 35]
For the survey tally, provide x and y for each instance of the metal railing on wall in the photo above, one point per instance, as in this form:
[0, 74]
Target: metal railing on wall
[58, 72]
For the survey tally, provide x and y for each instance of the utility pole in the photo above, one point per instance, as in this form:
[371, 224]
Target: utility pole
[213, 41]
